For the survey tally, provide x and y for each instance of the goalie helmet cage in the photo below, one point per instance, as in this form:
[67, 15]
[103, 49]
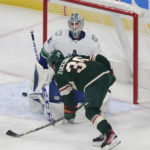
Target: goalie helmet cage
[111, 8]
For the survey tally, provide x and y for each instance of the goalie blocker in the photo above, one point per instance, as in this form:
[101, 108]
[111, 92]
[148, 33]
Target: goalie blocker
[41, 77]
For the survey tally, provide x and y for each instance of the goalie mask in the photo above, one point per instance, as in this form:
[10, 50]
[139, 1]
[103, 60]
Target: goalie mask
[76, 23]
[55, 57]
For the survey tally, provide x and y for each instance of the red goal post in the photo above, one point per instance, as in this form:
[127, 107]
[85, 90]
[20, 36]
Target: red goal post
[115, 7]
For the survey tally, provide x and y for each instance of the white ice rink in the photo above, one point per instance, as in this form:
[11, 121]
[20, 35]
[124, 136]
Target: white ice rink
[130, 122]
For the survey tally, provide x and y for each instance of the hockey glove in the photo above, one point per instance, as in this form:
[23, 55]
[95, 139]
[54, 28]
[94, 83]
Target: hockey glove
[69, 114]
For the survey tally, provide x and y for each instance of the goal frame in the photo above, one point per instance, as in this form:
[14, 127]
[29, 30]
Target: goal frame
[135, 17]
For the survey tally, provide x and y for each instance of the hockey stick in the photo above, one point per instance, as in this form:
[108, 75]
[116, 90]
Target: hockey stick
[13, 134]
[45, 95]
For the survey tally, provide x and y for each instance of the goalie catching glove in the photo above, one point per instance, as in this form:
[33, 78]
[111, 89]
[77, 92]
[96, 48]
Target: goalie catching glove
[41, 77]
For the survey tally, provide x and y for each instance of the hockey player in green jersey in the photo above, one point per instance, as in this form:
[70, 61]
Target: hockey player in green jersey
[93, 76]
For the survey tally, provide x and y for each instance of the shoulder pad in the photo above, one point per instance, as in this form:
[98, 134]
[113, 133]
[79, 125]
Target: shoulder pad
[58, 33]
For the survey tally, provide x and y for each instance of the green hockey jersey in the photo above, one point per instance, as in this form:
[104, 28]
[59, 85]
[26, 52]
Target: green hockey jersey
[79, 72]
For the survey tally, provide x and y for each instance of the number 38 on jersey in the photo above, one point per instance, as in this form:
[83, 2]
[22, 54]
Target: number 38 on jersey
[77, 63]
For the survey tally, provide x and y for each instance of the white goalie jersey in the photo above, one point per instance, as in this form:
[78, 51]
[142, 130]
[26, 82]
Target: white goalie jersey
[86, 44]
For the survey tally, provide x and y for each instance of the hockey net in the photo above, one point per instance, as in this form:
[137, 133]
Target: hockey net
[124, 35]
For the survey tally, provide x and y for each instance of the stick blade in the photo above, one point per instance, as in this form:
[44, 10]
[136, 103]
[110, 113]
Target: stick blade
[11, 133]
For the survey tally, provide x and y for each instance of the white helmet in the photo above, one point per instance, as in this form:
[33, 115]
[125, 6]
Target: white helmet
[76, 23]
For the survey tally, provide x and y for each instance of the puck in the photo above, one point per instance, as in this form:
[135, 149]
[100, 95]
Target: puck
[24, 94]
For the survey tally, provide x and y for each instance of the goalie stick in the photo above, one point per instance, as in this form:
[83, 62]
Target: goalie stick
[45, 95]
[13, 134]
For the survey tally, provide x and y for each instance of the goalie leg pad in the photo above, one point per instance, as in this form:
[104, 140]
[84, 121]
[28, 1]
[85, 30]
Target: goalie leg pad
[35, 104]
[57, 110]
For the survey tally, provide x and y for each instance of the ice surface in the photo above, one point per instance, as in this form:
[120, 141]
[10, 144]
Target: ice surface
[130, 122]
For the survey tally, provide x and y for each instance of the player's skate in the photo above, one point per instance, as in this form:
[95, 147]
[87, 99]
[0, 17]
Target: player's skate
[111, 140]
[98, 140]
[107, 141]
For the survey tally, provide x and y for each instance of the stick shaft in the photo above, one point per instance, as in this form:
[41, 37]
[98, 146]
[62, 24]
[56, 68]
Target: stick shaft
[34, 45]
